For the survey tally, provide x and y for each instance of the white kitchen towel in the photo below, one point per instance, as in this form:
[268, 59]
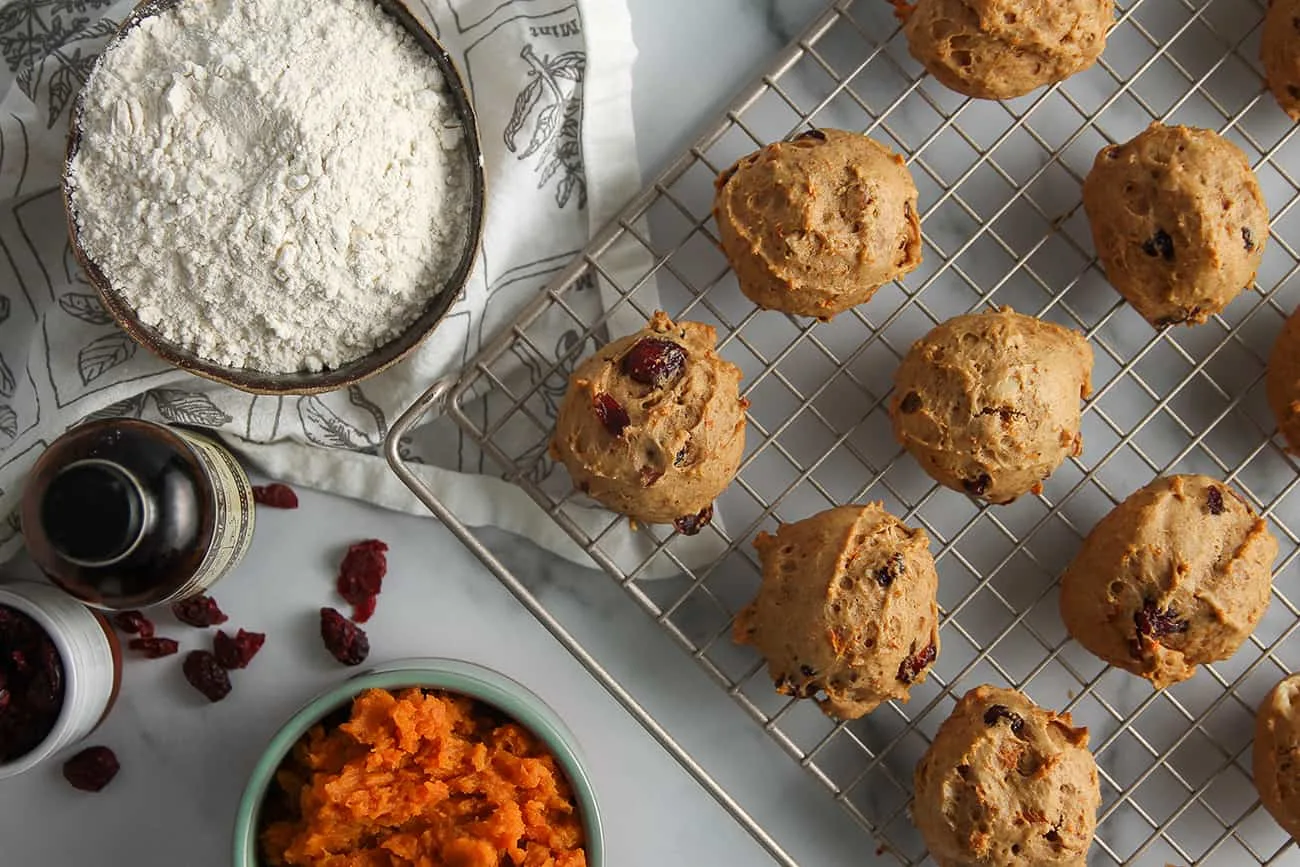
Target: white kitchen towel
[551, 82]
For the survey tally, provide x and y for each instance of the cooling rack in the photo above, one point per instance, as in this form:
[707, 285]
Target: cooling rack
[1003, 225]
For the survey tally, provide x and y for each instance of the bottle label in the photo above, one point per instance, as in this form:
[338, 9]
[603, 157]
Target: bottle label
[233, 514]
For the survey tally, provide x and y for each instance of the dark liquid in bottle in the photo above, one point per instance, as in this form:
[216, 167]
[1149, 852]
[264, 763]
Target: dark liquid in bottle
[118, 513]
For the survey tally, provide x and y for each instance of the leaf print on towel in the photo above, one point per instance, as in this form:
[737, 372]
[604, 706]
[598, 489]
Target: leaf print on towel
[84, 307]
[4, 307]
[103, 354]
[132, 407]
[551, 103]
[7, 382]
[34, 35]
[324, 427]
[8, 421]
[189, 407]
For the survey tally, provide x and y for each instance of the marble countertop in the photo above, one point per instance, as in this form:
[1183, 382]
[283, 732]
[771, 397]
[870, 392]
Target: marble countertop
[185, 761]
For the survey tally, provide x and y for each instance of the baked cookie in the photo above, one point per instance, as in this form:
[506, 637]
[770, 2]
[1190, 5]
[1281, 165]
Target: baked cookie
[1280, 51]
[1000, 49]
[1006, 783]
[988, 403]
[1275, 758]
[1282, 381]
[1178, 222]
[816, 225]
[1175, 576]
[846, 612]
[653, 425]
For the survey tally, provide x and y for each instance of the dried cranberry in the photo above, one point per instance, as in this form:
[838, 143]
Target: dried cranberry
[689, 525]
[909, 669]
[343, 638]
[814, 134]
[978, 487]
[200, 611]
[1000, 712]
[361, 576]
[364, 609]
[1156, 624]
[206, 675]
[276, 496]
[655, 362]
[1249, 237]
[1214, 501]
[910, 403]
[237, 651]
[1160, 244]
[891, 571]
[31, 684]
[154, 648]
[91, 769]
[134, 623]
[611, 413]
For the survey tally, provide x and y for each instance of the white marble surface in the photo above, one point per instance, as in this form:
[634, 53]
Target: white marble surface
[184, 761]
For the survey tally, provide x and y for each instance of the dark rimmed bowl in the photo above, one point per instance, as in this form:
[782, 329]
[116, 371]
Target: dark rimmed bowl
[302, 382]
[451, 675]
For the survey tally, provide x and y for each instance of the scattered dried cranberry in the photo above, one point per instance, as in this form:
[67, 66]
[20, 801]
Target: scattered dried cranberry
[91, 769]
[1000, 712]
[909, 669]
[1156, 624]
[891, 571]
[276, 496]
[134, 623]
[1249, 237]
[910, 403]
[690, 525]
[31, 684]
[206, 675]
[814, 134]
[655, 362]
[343, 638]
[201, 611]
[238, 651]
[1160, 244]
[361, 577]
[1214, 500]
[978, 487]
[611, 414]
[154, 648]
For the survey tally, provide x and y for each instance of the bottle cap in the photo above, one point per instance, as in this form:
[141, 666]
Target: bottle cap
[94, 512]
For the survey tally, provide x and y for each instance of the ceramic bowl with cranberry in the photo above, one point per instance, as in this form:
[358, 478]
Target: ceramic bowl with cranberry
[60, 668]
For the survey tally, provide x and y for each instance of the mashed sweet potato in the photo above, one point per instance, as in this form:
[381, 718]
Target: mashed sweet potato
[425, 779]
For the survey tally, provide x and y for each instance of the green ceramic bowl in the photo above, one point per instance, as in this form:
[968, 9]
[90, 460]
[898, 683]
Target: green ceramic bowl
[511, 698]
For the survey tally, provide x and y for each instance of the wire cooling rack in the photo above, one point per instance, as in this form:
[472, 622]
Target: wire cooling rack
[1000, 198]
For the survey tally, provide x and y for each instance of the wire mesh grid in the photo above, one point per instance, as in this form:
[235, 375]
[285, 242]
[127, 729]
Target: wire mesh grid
[1003, 225]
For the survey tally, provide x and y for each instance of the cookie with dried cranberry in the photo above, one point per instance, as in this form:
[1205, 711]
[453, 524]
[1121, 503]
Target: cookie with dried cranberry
[1282, 381]
[1174, 577]
[1007, 783]
[1000, 49]
[988, 403]
[1280, 52]
[846, 613]
[653, 424]
[1275, 758]
[816, 225]
[1178, 221]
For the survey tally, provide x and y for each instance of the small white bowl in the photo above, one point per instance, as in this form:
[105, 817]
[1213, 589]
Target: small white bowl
[92, 666]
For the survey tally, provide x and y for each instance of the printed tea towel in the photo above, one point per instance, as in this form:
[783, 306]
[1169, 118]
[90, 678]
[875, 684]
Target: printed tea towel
[551, 82]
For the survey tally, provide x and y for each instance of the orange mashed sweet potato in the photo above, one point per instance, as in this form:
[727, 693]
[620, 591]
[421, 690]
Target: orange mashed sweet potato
[427, 779]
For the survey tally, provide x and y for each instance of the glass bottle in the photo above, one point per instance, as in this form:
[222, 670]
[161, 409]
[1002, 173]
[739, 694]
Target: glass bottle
[124, 513]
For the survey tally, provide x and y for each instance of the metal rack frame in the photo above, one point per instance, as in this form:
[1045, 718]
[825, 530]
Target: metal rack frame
[1002, 222]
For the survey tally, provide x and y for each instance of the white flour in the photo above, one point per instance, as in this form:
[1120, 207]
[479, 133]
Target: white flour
[276, 184]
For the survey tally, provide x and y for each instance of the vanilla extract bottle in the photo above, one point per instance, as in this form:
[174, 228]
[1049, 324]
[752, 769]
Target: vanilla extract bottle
[124, 513]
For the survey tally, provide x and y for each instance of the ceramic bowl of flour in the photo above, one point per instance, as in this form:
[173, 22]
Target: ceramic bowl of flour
[339, 252]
